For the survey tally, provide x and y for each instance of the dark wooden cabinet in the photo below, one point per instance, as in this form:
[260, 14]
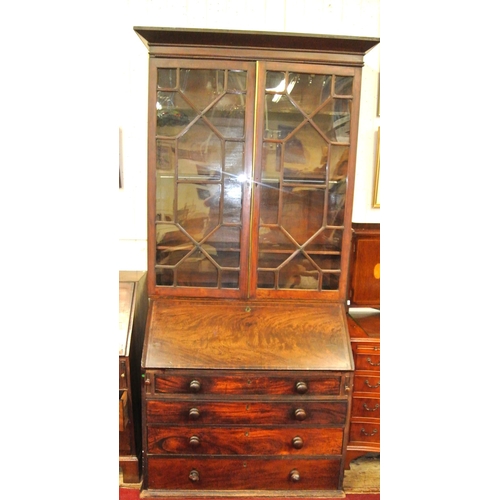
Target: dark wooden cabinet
[247, 365]
[364, 331]
[133, 307]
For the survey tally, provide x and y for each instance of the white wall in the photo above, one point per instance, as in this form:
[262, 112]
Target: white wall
[335, 17]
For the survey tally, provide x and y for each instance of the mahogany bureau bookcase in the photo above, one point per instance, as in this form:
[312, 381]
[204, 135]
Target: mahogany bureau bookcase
[247, 369]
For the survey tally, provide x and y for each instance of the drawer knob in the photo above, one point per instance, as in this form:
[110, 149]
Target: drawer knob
[194, 413]
[194, 441]
[294, 475]
[301, 387]
[194, 476]
[195, 386]
[147, 382]
[297, 442]
[300, 414]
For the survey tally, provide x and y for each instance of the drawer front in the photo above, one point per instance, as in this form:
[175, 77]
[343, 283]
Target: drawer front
[244, 441]
[198, 473]
[366, 432]
[365, 407]
[367, 383]
[251, 383]
[363, 361]
[201, 412]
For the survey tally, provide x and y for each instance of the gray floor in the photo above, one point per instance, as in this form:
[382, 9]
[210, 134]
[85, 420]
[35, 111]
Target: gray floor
[364, 475]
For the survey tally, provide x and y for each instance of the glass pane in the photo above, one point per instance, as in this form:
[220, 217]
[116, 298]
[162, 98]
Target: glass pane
[164, 196]
[237, 81]
[271, 160]
[198, 208]
[201, 86]
[282, 117]
[165, 155]
[167, 78]
[309, 91]
[234, 158]
[336, 202]
[224, 246]
[200, 152]
[229, 279]
[270, 199]
[172, 114]
[339, 161]
[343, 85]
[233, 200]
[228, 116]
[304, 159]
[302, 213]
[299, 273]
[342, 120]
[197, 270]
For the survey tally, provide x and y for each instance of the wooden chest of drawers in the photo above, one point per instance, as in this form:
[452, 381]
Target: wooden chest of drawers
[133, 304]
[364, 435]
[248, 397]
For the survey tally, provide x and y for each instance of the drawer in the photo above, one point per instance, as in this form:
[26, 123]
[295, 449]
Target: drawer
[367, 383]
[201, 412]
[244, 440]
[364, 361]
[246, 383]
[366, 432]
[123, 410]
[365, 407]
[199, 473]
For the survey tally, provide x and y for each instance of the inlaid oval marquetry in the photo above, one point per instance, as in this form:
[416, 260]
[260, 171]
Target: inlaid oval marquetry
[376, 271]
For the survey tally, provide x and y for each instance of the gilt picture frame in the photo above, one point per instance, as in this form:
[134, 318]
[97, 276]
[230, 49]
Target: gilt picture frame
[376, 187]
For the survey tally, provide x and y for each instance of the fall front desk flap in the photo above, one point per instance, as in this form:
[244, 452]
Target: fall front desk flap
[199, 333]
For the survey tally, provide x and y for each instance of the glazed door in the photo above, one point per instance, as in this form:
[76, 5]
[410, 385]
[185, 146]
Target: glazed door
[306, 143]
[201, 147]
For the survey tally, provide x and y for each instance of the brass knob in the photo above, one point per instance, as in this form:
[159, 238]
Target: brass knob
[194, 441]
[301, 387]
[194, 413]
[297, 442]
[194, 476]
[294, 475]
[122, 375]
[300, 414]
[195, 386]
[147, 382]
